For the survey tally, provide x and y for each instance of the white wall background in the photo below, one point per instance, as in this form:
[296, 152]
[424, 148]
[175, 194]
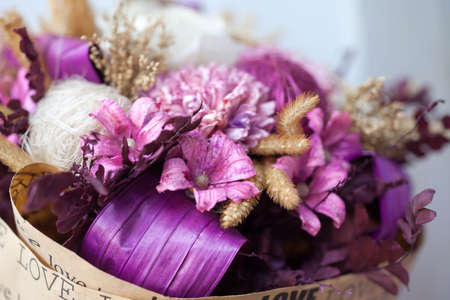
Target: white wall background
[390, 38]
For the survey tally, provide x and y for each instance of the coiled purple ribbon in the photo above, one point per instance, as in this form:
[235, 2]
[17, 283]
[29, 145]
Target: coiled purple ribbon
[161, 242]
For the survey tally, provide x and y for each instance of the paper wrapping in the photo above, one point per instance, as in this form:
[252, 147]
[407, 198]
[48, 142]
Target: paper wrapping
[34, 266]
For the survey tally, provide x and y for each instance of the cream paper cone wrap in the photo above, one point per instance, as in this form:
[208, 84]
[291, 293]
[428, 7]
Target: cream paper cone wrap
[35, 267]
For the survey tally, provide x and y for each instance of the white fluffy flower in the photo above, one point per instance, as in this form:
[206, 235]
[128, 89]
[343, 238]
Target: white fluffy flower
[198, 38]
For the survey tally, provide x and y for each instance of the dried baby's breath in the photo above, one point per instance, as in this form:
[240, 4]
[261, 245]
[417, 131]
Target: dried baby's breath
[131, 59]
[384, 126]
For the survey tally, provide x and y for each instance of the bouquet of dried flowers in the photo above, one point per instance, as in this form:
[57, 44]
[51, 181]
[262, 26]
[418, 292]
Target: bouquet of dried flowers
[194, 159]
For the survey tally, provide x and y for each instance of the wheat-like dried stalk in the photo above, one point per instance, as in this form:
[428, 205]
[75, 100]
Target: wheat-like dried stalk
[70, 18]
[277, 144]
[234, 213]
[280, 187]
[289, 117]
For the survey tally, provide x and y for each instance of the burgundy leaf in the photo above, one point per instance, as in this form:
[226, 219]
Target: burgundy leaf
[383, 280]
[425, 215]
[400, 272]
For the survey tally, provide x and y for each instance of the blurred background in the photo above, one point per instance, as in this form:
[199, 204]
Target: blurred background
[386, 38]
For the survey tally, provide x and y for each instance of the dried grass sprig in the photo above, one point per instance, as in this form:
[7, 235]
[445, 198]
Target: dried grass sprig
[289, 117]
[280, 187]
[131, 59]
[277, 144]
[233, 214]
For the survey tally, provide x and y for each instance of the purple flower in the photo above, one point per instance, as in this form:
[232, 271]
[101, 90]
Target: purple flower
[318, 195]
[19, 89]
[143, 126]
[286, 77]
[214, 168]
[229, 100]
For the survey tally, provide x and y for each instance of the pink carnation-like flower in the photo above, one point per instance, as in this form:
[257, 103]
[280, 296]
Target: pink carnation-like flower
[214, 168]
[143, 126]
[229, 100]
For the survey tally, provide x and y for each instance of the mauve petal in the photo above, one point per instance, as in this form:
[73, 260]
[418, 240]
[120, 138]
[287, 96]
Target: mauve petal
[422, 199]
[394, 202]
[21, 90]
[207, 199]
[328, 177]
[195, 150]
[347, 148]
[151, 131]
[315, 120]
[289, 165]
[310, 222]
[113, 118]
[240, 190]
[334, 208]
[233, 163]
[174, 176]
[107, 146]
[140, 109]
[316, 153]
[337, 127]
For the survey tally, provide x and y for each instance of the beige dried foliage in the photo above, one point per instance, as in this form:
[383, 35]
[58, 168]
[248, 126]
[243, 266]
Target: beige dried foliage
[289, 117]
[131, 59]
[384, 126]
[8, 22]
[280, 187]
[233, 214]
[277, 144]
[70, 18]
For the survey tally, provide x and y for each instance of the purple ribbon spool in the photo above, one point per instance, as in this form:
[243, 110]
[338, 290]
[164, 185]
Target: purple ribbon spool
[66, 57]
[160, 242]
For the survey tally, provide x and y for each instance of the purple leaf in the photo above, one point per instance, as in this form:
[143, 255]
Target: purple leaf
[383, 280]
[425, 215]
[400, 272]
[422, 199]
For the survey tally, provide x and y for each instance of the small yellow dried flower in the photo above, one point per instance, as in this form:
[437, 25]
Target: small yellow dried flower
[133, 58]
[277, 144]
[384, 126]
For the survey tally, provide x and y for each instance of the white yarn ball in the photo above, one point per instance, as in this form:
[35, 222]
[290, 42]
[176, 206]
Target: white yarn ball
[62, 118]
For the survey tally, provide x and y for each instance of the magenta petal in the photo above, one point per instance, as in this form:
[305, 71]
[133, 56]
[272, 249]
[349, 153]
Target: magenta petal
[174, 176]
[240, 190]
[315, 120]
[337, 127]
[110, 164]
[394, 202]
[289, 165]
[334, 208]
[66, 57]
[160, 242]
[347, 148]
[207, 199]
[140, 110]
[233, 162]
[310, 222]
[151, 130]
[107, 146]
[113, 118]
[328, 177]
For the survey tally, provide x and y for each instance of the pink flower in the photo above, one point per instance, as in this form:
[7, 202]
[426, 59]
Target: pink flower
[229, 100]
[317, 196]
[143, 126]
[19, 89]
[214, 168]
